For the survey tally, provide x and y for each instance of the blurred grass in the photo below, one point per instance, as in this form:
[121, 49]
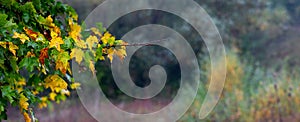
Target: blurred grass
[252, 93]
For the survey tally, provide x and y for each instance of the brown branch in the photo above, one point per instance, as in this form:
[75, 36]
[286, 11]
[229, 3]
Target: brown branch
[139, 44]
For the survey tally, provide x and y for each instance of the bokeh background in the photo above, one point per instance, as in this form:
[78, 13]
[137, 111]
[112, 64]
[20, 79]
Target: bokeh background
[262, 43]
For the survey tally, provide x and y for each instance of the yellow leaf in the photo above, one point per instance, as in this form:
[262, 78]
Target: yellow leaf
[30, 54]
[77, 54]
[105, 38]
[53, 34]
[23, 102]
[26, 117]
[49, 19]
[43, 102]
[75, 85]
[60, 66]
[12, 48]
[92, 67]
[56, 30]
[96, 31]
[3, 44]
[55, 83]
[65, 92]
[121, 53]
[80, 44]
[22, 37]
[52, 96]
[91, 40]
[21, 82]
[33, 35]
[35, 92]
[75, 30]
[56, 42]
[44, 70]
[44, 99]
[62, 63]
[110, 54]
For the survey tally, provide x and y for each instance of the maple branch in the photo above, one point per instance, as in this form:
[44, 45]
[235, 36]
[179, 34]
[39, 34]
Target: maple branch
[139, 44]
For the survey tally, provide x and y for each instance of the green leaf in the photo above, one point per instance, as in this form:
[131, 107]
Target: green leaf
[26, 17]
[68, 44]
[33, 44]
[100, 27]
[13, 64]
[29, 63]
[99, 53]
[2, 64]
[3, 20]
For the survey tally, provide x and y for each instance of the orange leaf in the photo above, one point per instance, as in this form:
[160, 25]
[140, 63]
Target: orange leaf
[43, 55]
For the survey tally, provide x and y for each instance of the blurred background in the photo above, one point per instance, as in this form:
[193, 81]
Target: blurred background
[262, 43]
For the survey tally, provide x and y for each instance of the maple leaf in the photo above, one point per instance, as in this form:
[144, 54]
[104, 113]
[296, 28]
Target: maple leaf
[75, 30]
[56, 42]
[53, 34]
[52, 96]
[91, 40]
[96, 31]
[12, 48]
[77, 54]
[121, 53]
[22, 37]
[3, 44]
[33, 35]
[26, 117]
[62, 62]
[49, 21]
[74, 85]
[23, 102]
[43, 55]
[30, 54]
[80, 44]
[43, 102]
[92, 67]
[55, 83]
[110, 54]
[105, 38]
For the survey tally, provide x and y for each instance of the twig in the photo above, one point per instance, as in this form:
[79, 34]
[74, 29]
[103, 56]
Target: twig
[139, 44]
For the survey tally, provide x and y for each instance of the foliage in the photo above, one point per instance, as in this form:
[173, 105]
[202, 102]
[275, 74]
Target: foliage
[252, 94]
[38, 40]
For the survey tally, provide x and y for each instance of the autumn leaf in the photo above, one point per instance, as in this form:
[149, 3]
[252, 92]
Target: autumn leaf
[12, 48]
[22, 37]
[110, 54]
[3, 44]
[62, 62]
[74, 85]
[121, 53]
[26, 117]
[30, 54]
[65, 92]
[77, 54]
[55, 83]
[91, 40]
[96, 31]
[43, 55]
[75, 30]
[49, 21]
[80, 44]
[92, 67]
[105, 38]
[43, 102]
[56, 42]
[33, 35]
[23, 102]
[52, 96]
